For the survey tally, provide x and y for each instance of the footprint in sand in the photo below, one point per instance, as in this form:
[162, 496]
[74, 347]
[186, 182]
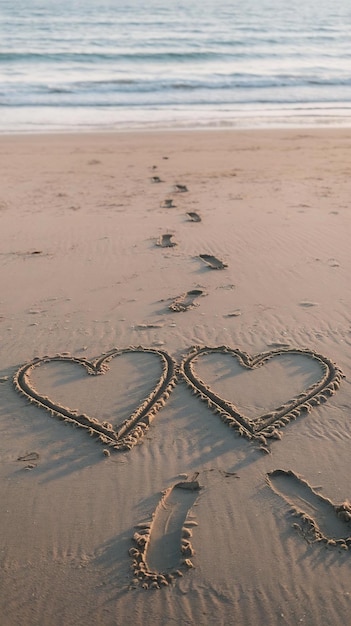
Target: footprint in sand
[30, 459]
[213, 262]
[30, 456]
[180, 188]
[165, 241]
[162, 549]
[186, 300]
[322, 520]
[194, 217]
[168, 204]
[236, 313]
[307, 304]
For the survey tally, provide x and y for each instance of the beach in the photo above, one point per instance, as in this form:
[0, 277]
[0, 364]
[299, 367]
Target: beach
[174, 383]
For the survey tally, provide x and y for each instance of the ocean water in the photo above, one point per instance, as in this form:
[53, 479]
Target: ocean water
[119, 64]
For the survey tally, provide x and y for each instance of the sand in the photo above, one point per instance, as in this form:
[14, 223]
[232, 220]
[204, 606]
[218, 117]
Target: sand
[175, 335]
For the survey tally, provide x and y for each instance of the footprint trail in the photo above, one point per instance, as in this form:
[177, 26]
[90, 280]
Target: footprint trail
[165, 241]
[186, 301]
[321, 519]
[163, 548]
[212, 262]
[193, 217]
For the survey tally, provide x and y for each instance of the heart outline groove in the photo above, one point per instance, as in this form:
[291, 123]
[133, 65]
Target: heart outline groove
[266, 426]
[132, 429]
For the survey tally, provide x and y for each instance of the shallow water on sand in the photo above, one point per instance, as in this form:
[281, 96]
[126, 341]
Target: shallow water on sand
[104, 64]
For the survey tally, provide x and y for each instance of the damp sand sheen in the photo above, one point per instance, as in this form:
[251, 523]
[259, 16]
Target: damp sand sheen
[138, 365]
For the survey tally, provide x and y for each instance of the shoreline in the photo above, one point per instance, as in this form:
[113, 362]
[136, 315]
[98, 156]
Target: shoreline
[173, 131]
[179, 129]
[82, 121]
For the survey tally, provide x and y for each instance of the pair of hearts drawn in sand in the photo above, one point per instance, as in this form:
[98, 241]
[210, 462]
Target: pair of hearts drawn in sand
[131, 430]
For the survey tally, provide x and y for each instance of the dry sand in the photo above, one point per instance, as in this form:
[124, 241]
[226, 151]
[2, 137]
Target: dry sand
[169, 241]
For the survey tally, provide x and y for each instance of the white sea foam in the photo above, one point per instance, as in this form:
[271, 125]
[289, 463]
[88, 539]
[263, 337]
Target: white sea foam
[107, 64]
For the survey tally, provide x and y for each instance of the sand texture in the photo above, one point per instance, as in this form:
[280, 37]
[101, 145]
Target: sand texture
[175, 441]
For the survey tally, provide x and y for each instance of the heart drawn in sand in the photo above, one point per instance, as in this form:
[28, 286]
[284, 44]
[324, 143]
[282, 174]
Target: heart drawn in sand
[131, 430]
[266, 425]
